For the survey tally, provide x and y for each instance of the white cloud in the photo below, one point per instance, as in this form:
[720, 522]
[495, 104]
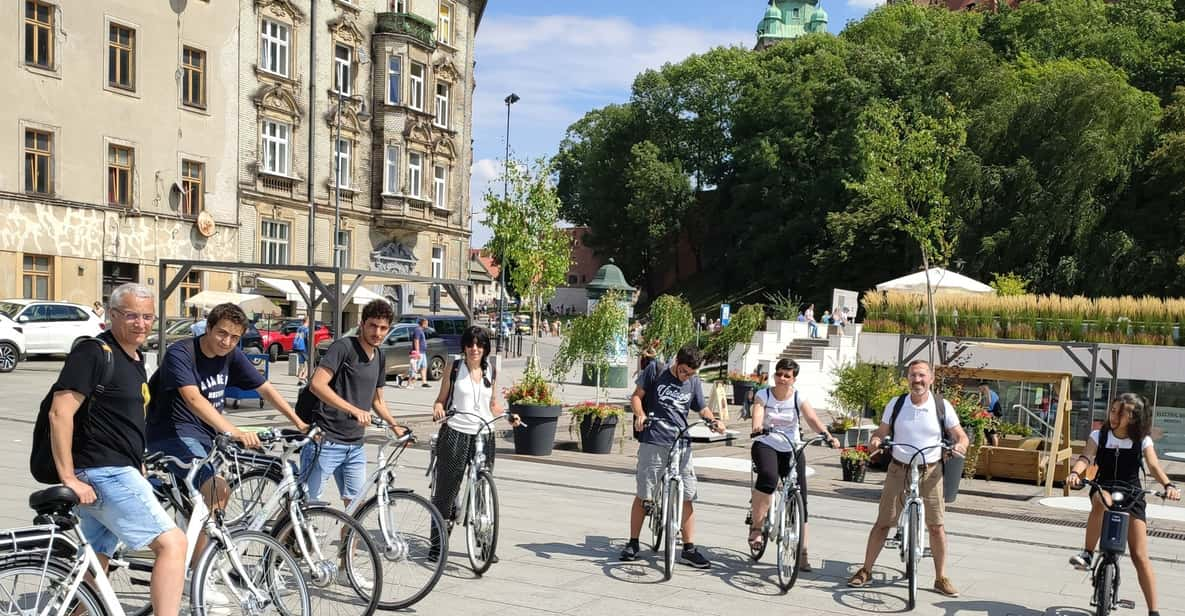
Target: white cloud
[485, 174]
[865, 5]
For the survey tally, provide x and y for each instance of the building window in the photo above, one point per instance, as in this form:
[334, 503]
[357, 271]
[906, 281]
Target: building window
[394, 74]
[37, 277]
[341, 162]
[415, 170]
[275, 147]
[444, 27]
[193, 80]
[121, 57]
[273, 242]
[342, 56]
[439, 183]
[273, 47]
[441, 118]
[38, 161]
[438, 261]
[190, 285]
[399, 6]
[39, 34]
[191, 187]
[392, 183]
[417, 86]
[794, 13]
[121, 162]
[341, 250]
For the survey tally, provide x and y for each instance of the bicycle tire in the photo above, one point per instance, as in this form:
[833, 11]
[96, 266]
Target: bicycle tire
[481, 542]
[36, 566]
[790, 542]
[410, 551]
[248, 491]
[672, 516]
[657, 520]
[1105, 588]
[912, 554]
[329, 594]
[269, 572]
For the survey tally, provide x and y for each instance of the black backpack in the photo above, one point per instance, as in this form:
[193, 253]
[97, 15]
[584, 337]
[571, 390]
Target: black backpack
[309, 405]
[41, 460]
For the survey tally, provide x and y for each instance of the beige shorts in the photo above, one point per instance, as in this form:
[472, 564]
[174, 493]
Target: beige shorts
[893, 496]
[652, 464]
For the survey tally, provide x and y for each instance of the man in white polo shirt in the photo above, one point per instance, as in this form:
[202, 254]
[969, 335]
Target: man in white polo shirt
[917, 424]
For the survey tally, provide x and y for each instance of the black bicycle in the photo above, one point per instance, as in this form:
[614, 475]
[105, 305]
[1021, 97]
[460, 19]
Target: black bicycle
[1119, 498]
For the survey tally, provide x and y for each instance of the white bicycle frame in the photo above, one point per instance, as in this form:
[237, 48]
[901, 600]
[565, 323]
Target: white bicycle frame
[467, 495]
[789, 481]
[381, 479]
[913, 496]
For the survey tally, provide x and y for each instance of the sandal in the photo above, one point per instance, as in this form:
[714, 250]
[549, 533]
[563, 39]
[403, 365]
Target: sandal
[804, 563]
[861, 578]
[755, 538]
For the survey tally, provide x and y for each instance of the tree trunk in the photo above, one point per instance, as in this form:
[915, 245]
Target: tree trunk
[933, 315]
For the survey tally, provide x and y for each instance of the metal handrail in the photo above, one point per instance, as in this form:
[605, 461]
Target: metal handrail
[1028, 413]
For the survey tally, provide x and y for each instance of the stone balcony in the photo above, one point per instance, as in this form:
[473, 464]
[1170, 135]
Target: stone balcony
[413, 27]
[404, 212]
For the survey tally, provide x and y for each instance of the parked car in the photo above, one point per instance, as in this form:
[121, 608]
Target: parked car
[12, 344]
[176, 328]
[278, 340]
[252, 340]
[522, 324]
[52, 327]
[448, 327]
[397, 348]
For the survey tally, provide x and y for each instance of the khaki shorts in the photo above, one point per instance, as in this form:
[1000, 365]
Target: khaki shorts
[652, 464]
[893, 496]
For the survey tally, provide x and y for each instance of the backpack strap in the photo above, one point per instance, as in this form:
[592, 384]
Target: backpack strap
[897, 404]
[108, 365]
[452, 384]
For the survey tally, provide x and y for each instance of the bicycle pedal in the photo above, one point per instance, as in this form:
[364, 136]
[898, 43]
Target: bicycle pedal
[926, 553]
[1127, 604]
[749, 520]
[892, 543]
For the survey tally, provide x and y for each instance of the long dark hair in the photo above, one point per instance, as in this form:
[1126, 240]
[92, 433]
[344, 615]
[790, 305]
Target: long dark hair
[472, 334]
[1138, 425]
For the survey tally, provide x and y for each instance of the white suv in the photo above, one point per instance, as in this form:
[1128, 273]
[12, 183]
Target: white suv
[51, 327]
[12, 344]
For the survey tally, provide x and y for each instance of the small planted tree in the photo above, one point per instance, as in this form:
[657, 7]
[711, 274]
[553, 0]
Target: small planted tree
[592, 340]
[672, 324]
[740, 329]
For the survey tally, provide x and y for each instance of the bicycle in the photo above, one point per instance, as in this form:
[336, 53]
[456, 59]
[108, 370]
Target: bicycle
[787, 509]
[911, 535]
[400, 516]
[1118, 498]
[70, 578]
[339, 558]
[666, 520]
[476, 501]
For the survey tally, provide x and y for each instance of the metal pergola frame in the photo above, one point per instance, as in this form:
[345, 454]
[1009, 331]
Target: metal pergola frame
[318, 290]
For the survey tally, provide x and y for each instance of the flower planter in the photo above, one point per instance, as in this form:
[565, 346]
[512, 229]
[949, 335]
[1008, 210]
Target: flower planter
[853, 471]
[596, 433]
[537, 437]
[740, 391]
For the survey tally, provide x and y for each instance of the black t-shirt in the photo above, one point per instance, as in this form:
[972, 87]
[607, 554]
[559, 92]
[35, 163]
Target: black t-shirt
[111, 433]
[355, 379]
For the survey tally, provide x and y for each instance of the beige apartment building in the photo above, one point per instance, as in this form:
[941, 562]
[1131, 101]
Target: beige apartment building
[391, 134]
[139, 133]
[118, 145]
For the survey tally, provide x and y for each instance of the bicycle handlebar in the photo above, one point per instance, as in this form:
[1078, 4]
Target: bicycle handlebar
[485, 424]
[822, 436]
[1136, 493]
[407, 438]
[888, 444]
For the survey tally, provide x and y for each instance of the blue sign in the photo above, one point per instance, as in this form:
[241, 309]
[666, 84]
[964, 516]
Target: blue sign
[724, 315]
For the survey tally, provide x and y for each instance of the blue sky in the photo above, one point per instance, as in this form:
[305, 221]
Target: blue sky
[564, 58]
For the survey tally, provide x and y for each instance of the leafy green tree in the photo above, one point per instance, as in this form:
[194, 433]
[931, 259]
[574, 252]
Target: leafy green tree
[1009, 284]
[671, 324]
[591, 339]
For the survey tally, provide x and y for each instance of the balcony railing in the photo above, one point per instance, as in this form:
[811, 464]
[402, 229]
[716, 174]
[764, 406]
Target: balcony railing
[409, 25]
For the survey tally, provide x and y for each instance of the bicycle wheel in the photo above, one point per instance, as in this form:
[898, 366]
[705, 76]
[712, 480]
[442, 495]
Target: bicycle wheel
[790, 541]
[657, 520]
[1104, 584]
[249, 491]
[30, 586]
[672, 515]
[913, 554]
[481, 523]
[409, 572]
[269, 582]
[341, 562]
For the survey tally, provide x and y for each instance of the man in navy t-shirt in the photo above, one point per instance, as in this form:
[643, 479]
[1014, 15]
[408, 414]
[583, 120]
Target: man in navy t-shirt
[188, 400]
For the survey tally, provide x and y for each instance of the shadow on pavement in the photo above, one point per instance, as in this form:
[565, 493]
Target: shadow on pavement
[880, 601]
[601, 551]
[1000, 608]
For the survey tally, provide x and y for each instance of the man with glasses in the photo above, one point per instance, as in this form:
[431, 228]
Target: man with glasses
[668, 394]
[98, 451]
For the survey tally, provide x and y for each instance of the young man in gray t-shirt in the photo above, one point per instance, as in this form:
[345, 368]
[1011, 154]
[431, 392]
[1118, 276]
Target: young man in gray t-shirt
[348, 382]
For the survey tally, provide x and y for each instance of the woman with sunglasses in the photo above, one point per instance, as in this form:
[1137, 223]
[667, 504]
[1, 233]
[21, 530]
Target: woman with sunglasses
[472, 392]
[780, 407]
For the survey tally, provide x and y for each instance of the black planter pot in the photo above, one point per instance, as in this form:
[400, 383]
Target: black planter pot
[854, 471]
[537, 437]
[596, 434]
[740, 391]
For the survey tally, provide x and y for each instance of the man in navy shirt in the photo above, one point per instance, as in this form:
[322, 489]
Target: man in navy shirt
[194, 375]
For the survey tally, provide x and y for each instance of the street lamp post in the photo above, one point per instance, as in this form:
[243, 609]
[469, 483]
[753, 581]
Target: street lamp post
[510, 100]
[340, 85]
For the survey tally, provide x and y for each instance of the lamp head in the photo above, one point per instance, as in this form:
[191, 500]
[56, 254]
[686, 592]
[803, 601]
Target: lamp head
[512, 99]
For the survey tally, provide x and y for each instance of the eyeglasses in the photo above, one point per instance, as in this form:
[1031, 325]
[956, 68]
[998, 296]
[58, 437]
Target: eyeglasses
[784, 375]
[132, 317]
[474, 345]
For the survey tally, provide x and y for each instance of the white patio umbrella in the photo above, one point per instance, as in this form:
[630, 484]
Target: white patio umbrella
[942, 280]
[251, 304]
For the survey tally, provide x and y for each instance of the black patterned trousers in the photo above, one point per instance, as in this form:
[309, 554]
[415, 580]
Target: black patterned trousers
[454, 450]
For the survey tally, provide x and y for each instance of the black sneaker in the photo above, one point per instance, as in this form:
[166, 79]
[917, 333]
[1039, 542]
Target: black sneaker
[1081, 560]
[695, 559]
[630, 552]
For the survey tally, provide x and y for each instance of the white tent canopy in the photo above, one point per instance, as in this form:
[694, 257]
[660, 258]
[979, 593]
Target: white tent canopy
[361, 297]
[942, 281]
[251, 304]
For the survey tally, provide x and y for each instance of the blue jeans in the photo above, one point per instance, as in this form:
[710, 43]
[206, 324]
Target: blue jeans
[124, 509]
[346, 463]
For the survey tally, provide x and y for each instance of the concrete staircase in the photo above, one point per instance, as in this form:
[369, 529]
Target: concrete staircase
[803, 348]
[817, 357]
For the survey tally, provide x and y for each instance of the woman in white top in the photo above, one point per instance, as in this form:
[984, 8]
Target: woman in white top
[776, 411]
[472, 393]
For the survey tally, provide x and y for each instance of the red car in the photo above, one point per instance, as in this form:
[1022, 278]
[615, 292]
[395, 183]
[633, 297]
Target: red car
[278, 341]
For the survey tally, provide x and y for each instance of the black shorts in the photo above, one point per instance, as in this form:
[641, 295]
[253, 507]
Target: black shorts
[772, 465]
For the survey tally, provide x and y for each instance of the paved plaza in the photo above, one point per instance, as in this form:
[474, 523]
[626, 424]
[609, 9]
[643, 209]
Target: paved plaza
[564, 520]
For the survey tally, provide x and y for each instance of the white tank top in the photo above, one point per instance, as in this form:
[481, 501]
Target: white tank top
[780, 414]
[470, 397]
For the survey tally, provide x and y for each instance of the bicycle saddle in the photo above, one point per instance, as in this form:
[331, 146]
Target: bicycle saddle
[55, 500]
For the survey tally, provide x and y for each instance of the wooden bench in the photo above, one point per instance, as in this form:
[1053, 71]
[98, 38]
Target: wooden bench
[1026, 463]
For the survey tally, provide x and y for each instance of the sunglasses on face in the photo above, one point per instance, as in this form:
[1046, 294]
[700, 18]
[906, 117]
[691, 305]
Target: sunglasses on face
[784, 375]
